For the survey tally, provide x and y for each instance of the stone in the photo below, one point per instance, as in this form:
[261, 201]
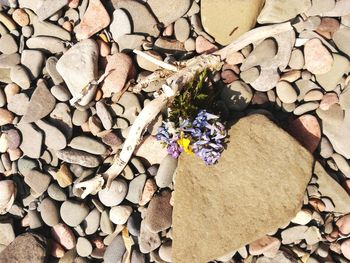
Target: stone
[345, 248]
[340, 38]
[78, 66]
[285, 92]
[306, 129]
[182, 29]
[267, 246]
[49, 212]
[7, 233]
[146, 64]
[119, 68]
[148, 191]
[237, 95]
[18, 103]
[306, 107]
[80, 117]
[281, 257]
[130, 42]
[330, 79]
[37, 181]
[52, 71]
[271, 13]
[318, 60]
[293, 234]
[159, 212]
[8, 44]
[54, 138]
[142, 19]
[330, 188]
[56, 193]
[9, 61]
[320, 6]
[33, 61]
[8, 195]
[40, 105]
[26, 246]
[48, 44]
[61, 93]
[20, 76]
[137, 257]
[255, 205]
[78, 157]
[20, 17]
[136, 188]
[115, 194]
[13, 139]
[63, 176]
[115, 250]
[121, 24]
[225, 24]
[147, 240]
[344, 99]
[61, 118]
[73, 212]
[313, 95]
[92, 222]
[32, 140]
[303, 217]
[88, 144]
[49, 8]
[84, 247]
[94, 20]
[334, 115]
[297, 59]
[105, 223]
[104, 115]
[151, 149]
[6, 117]
[64, 235]
[167, 167]
[261, 54]
[120, 214]
[203, 46]
[170, 46]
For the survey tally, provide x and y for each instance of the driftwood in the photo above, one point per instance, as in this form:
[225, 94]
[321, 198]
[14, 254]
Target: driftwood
[175, 79]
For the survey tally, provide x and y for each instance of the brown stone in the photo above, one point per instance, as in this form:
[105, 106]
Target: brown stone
[257, 186]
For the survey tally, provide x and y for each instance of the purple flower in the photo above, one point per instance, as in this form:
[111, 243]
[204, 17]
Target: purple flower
[174, 149]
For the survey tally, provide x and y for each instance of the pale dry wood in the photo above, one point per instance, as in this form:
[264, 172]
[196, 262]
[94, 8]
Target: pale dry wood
[157, 62]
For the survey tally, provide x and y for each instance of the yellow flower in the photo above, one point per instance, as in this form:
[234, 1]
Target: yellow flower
[185, 144]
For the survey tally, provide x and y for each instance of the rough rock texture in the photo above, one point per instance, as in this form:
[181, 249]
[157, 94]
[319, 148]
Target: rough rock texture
[221, 208]
[330, 188]
[25, 248]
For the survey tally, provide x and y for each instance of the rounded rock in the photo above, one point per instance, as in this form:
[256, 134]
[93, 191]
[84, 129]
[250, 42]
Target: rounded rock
[286, 92]
[165, 172]
[344, 225]
[73, 212]
[115, 194]
[56, 193]
[318, 60]
[165, 251]
[6, 117]
[119, 215]
[237, 95]
[182, 29]
[60, 93]
[49, 212]
[345, 248]
[84, 247]
[20, 17]
[63, 235]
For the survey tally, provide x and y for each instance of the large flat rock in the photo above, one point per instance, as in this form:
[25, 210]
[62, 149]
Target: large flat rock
[257, 186]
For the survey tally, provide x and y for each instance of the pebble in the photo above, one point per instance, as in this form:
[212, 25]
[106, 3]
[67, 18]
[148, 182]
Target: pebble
[104, 115]
[92, 222]
[61, 117]
[285, 92]
[306, 107]
[20, 17]
[203, 46]
[13, 139]
[334, 115]
[40, 105]
[27, 31]
[88, 144]
[120, 214]
[237, 95]
[268, 246]
[73, 212]
[121, 24]
[94, 20]
[20, 76]
[48, 44]
[56, 193]
[63, 176]
[159, 212]
[6, 117]
[137, 257]
[306, 129]
[115, 194]
[37, 181]
[313, 95]
[342, 164]
[129, 42]
[190, 44]
[148, 191]
[165, 251]
[57, 250]
[84, 247]
[8, 44]
[182, 29]
[61, 93]
[293, 234]
[318, 60]
[340, 38]
[7, 233]
[35, 220]
[344, 99]
[49, 212]
[115, 250]
[171, 12]
[18, 104]
[165, 172]
[78, 157]
[250, 75]
[148, 241]
[136, 188]
[105, 223]
[146, 64]
[52, 71]
[121, 68]
[345, 248]
[64, 236]
[328, 100]
[303, 217]
[33, 61]
[54, 138]
[321, 6]
[313, 235]
[142, 19]
[296, 59]
[80, 117]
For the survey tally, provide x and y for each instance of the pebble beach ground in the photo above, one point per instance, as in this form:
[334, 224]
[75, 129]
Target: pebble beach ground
[69, 97]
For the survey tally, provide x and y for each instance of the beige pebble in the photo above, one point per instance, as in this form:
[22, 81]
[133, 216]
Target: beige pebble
[318, 60]
[20, 17]
[291, 76]
[313, 95]
[286, 92]
[306, 107]
[328, 100]
[67, 25]
[15, 154]
[235, 58]
[6, 117]
[11, 89]
[297, 59]
[345, 248]
[105, 50]
[169, 30]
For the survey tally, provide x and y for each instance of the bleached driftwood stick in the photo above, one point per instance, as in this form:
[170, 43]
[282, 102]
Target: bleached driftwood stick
[157, 62]
[176, 81]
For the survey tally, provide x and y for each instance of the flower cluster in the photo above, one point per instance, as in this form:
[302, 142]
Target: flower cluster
[204, 137]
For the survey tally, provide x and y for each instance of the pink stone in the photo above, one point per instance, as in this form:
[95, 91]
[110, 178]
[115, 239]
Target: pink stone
[152, 150]
[318, 60]
[203, 46]
[228, 76]
[328, 100]
[344, 225]
[148, 191]
[64, 235]
[328, 26]
[260, 98]
[235, 58]
[266, 245]
[307, 131]
[120, 68]
[73, 3]
[169, 30]
[57, 250]
[94, 20]
[105, 50]
[345, 248]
